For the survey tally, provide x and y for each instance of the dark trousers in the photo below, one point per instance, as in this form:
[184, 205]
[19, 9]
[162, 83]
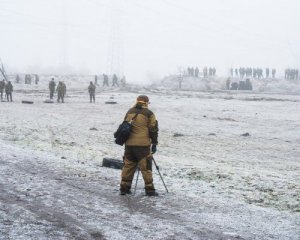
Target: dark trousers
[92, 97]
[51, 94]
[137, 157]
[9, 97]
[60, 97]
[1, 93]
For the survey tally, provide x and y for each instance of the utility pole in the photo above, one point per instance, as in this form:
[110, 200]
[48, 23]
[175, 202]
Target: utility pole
[64, 35]
[115, 44]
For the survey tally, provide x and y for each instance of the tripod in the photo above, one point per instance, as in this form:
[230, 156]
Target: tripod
[157, 168]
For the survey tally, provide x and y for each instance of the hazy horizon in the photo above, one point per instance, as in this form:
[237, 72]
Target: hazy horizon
[147, 39]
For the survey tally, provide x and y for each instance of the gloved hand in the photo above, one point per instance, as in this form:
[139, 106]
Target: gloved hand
[153, 148]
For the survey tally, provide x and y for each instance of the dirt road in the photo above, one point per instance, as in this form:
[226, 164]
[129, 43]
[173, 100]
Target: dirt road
[40, 201]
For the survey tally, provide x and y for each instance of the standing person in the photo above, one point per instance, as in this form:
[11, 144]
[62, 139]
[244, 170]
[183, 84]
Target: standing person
[273, 72]
[2, 87]
[236, 72]
[8, 90]
[267, 72]
[26, 79]
[138, 146]
[61, 91]
[214, 71]
[115, 80]
[96, 80]
[17, 78]
[92, 89]
[210, 71]
[52, 85]
[205, 72]
[189, 71]
[37, 79]
[64, 90]
[105, 80]
[196, 72]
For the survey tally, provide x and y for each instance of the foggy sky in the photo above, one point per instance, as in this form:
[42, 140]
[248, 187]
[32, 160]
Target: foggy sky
[147, 39]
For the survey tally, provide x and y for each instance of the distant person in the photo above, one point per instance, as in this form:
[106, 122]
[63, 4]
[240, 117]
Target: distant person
[115, 81]
[255, 72]
[64, 88]
[205, 72]
[27, 79]
[92, 90]
[17, 78]
[236, 72]
[52, 85]
[96, 80]
[105, 80]
[267, 72]
[189, 71]
[273, 72]
[8, 90]
[214, 71]
[286, 73]
[36, 79]
[2, 87]
[61, 91]
[196, 72]
[210, 71]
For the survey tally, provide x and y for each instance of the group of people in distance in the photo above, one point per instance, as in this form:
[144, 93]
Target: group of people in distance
[195, 72]
[6, 87]
[250, 72]
[291, 74]
[61, 90]
[114, 79]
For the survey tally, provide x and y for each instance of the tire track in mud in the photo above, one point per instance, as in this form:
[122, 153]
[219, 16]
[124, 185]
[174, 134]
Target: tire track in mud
[59, 220]
[80, 187]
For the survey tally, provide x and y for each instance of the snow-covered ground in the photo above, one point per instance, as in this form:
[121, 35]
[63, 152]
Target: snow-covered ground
[222, 185]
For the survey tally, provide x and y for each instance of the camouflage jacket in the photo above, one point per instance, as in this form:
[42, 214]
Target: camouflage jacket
[144, 127]
[9, 88]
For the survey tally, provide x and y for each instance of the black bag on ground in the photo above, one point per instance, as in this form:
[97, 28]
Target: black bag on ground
[123, 132]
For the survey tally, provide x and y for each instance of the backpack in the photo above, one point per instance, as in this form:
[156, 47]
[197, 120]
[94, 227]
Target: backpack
[123, 132]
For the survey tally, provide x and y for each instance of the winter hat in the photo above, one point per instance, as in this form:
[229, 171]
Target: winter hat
[142, 99]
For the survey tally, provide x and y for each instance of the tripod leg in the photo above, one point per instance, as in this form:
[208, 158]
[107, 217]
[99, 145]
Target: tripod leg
[157, 168]
[137, 178]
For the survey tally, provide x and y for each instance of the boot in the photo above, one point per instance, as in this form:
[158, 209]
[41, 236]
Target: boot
[125, 191]
[151, 193]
